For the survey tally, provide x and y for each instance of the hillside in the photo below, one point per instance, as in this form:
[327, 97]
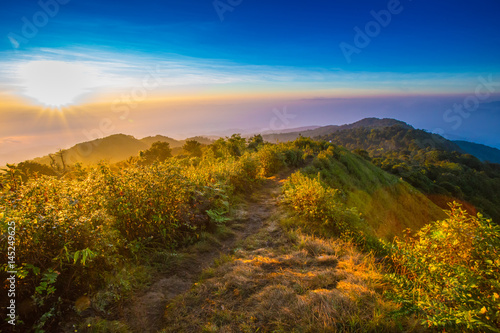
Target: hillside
[442, 169]
[483, 152]
[382, 139]
[335, 132]
[115, 148]
[387, 204]
[111, 149]
[246, 237]
[434, 165]
[325, 130]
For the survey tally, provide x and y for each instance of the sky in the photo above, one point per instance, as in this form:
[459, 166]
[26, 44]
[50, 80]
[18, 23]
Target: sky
[74, 70]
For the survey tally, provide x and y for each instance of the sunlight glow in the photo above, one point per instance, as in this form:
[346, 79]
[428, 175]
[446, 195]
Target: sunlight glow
[56, 83]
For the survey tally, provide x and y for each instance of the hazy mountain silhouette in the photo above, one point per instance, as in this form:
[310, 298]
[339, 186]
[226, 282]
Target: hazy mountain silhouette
[114, 148]
[483, 152]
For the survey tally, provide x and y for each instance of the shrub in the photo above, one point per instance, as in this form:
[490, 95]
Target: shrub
[449, 273]
[320, 205]
[293, 157]
[271, 160]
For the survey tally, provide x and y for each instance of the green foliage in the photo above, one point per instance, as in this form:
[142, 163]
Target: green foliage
[151, 203]
[75, 232]
[449, 273]
[271, 160]
[428, 162]
[320, 206]
[193, 147]
[255, 142]
[11, 178]
[33, 169]
[158, 152]
[229, 147]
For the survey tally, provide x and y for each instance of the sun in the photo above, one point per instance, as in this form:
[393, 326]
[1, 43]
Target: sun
[55, 83]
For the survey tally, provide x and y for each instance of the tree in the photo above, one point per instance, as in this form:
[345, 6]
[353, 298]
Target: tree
[54, 164]
[236, 145]
[30, 168]
[255, 142]
[158, 152]
[193, 147]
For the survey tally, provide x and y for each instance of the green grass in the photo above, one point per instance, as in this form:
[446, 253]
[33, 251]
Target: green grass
[387, 204]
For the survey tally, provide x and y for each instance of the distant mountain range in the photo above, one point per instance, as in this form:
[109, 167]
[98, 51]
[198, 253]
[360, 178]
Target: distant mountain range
[119, 147]
[316, 132]
[484, 153]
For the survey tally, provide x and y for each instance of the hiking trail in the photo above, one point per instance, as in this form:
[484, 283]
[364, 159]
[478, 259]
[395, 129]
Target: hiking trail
[144, 312]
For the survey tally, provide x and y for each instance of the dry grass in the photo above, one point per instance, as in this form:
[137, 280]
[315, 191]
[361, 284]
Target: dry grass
[290, 282]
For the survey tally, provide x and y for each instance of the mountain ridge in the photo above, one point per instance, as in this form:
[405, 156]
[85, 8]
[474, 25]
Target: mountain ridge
[483, 152]
[114, 148]
[119, 147]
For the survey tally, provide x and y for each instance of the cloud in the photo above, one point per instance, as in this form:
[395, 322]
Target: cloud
[120, 71]
[9, 141]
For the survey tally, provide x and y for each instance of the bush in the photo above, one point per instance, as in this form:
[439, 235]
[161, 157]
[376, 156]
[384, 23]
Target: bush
[293, 157]
[449, 274]
[75, 231]
[271, 160]
[320, 205]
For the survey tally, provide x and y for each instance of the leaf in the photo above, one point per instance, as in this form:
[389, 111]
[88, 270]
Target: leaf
[76, 256]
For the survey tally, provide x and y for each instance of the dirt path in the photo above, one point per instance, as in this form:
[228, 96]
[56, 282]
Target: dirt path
[145, 310]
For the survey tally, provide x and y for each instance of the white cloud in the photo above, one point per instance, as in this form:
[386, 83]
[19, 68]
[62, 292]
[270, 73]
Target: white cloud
[117, 71]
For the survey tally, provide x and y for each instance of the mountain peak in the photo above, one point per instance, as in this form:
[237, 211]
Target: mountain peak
[373, 122]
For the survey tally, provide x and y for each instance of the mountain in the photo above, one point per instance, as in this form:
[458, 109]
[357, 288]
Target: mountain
[380, 140]
[149, 140]
[325, 130]
[291, 130]
[484, 153]
[436, 166]
[337, 134]
[115, 148]
[112, 149]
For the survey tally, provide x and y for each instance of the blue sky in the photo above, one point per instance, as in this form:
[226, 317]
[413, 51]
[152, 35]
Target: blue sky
[426, 36]
[263, 55]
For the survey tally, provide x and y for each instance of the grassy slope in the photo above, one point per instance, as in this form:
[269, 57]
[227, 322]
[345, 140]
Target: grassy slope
[388, 205]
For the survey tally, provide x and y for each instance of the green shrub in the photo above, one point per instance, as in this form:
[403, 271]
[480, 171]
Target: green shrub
[320, 205]
[75, 231]
[449, 274]
[271, 160]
